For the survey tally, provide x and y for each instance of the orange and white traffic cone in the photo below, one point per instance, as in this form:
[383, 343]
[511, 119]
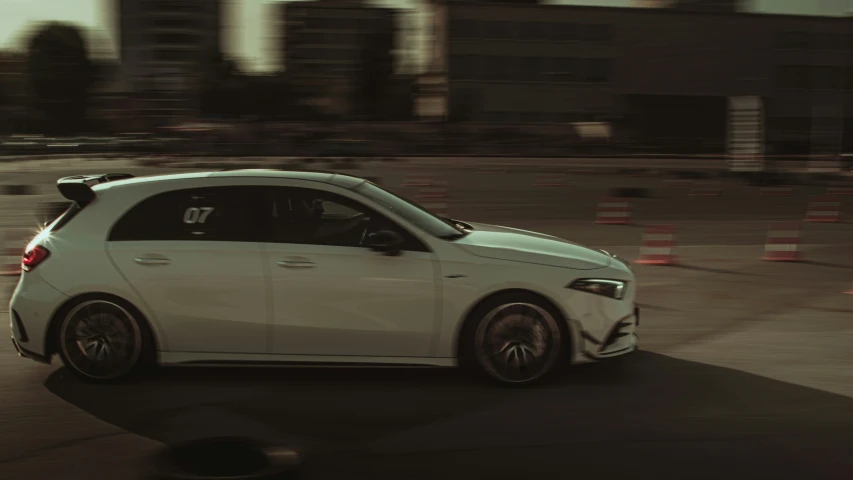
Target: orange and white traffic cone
[824, 209]
[614, 211]
[783, 242]
[658, 246]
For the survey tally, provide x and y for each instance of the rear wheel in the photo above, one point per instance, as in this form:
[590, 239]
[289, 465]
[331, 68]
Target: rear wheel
[516, 339]
[103, 340]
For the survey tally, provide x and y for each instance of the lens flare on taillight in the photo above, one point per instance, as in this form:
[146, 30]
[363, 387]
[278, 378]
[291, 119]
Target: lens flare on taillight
[33, 257]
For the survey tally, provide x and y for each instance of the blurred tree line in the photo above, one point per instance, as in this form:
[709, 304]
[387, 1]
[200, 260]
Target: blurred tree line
[50, 87]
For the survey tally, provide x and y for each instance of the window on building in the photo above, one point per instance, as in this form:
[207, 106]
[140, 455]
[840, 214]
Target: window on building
[594, 33]
[491, 30]
[172, 7]
[597, 70]
[493, 67]
[793, 76]
[175, 22]
[171, 55]
[529, 117]
[565, 69]
[827, 78]
[529, 67]
[460, 28]
[570, 32]
[460, 67]
[505, 30]
[829, 41]
[514, 71]
[530, 31]
[176, 38]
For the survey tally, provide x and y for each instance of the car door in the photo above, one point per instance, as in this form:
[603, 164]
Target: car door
[334, 297]
[194, 258]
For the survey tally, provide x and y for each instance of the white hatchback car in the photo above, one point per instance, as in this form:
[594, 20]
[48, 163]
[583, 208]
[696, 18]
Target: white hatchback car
[265, 266]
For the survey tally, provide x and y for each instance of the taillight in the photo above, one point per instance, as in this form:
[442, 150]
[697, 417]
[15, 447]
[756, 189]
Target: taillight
[33, 257]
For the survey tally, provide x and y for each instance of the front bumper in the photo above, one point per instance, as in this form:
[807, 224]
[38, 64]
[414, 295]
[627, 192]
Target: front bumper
[28, 354]
[620, 340]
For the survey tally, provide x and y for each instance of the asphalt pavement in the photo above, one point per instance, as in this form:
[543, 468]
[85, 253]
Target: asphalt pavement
[745, 369]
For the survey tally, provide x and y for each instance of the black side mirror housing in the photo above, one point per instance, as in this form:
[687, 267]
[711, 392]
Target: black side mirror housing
[388, 242]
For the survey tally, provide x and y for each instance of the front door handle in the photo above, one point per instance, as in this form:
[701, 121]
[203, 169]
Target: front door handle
[296, 264]
[152, 260]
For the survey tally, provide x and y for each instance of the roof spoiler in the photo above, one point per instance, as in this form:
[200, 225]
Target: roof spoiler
[79, 187]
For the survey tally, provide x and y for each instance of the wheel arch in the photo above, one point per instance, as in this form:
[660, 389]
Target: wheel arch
[52, 336]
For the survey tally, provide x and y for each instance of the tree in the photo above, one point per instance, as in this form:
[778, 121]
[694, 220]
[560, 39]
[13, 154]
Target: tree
[60, 75]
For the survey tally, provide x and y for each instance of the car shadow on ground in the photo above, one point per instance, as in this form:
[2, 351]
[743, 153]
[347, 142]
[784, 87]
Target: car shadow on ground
[651, 416]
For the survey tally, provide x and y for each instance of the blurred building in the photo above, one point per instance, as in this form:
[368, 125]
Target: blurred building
[163, 45]
[664, 74]
[695, 5]
[13, 90]
[321, 45]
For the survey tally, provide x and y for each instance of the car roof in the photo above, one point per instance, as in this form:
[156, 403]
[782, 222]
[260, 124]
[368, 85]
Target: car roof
[341, 180]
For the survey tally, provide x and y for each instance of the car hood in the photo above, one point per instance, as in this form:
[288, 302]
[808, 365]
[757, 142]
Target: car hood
[512, 244]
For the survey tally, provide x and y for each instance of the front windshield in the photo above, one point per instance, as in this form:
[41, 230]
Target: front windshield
[412, 212]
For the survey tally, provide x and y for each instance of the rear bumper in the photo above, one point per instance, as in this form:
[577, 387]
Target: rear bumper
[22, 352]
[31, 309]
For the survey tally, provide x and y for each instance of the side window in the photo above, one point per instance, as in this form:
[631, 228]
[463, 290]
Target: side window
[229, 214]
[315, 217]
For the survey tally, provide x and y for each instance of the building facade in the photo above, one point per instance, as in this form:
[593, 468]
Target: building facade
[322, 45]
[163, 45]
[652, 72]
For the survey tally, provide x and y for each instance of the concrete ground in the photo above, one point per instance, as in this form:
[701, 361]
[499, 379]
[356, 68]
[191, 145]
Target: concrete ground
[746, 369]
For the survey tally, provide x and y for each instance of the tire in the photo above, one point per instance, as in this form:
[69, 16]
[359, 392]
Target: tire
[103, 339]
[516, 339]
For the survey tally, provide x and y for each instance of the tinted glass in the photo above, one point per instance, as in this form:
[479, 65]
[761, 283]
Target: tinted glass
[314, 217]
[412, 212]
[230, 214]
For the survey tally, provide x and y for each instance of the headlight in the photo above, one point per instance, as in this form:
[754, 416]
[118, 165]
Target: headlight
[608, 288]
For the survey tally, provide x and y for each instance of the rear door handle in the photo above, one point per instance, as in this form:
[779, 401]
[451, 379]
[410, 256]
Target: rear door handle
[152, 260]
[296, 264]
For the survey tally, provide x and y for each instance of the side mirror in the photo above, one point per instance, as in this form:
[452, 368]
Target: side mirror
[388, 242]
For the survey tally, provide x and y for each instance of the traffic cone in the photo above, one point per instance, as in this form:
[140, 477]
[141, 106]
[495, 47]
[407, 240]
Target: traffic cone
[658, 246]
[614, 211]
[783, 242]
[824, 209]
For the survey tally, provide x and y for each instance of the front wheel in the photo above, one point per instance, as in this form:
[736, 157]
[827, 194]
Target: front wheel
[517, 339]
[103, 340]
